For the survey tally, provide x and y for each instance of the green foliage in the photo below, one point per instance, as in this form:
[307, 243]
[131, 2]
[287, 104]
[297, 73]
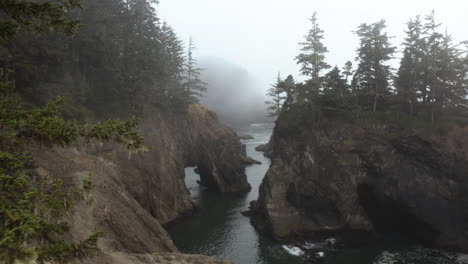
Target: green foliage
[371, 79]
[123, 60]
[39, 17]
[194, 87]
[32, 205]
[312, 56]
[62, 252]
[334, 85]
[290, 88]
[429, 91]
[276, 93]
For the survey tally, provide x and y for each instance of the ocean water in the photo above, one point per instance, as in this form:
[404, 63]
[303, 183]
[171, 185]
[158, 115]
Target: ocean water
[218, 229]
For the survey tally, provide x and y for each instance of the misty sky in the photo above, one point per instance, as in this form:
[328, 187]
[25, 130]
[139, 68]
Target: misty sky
[262, 35]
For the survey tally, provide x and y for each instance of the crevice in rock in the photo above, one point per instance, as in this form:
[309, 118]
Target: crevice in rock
[391, 217]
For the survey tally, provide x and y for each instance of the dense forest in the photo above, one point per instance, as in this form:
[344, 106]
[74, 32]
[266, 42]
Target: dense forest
[430, 84]
[62, 64]
[122, 59]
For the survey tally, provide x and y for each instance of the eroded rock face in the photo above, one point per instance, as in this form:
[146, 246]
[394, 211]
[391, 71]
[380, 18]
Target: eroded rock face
[333, 176]
[186, 139]
[135, 195]
[180, 140]
[109, 207]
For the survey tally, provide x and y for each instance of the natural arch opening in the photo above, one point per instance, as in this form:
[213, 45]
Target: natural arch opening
[192, 180]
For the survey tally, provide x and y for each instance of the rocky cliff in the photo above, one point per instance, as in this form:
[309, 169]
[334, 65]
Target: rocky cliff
[335, 175]
[135, 195]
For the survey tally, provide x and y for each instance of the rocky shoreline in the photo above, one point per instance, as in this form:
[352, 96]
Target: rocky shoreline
[135, 196]
[337, 176]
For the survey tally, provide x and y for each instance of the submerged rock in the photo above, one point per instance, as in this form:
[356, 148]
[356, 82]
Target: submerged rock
[244, 136]
[263, 148]
[250, 161]
[267, 149]
[246, 213]
[336, 175]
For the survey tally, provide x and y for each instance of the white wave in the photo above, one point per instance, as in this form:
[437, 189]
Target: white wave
[386, 258]
[320, 254]
[320, 245]
[309, 245]
[330, 241]
[263, 124]
[295, 251]
[463, 258]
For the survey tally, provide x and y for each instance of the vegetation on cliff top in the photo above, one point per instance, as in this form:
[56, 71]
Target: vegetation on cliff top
[32, 205]
[429, 89]
[124, 58]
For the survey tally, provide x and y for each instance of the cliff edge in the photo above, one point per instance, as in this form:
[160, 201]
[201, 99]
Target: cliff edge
[134, 195]
[333, 175]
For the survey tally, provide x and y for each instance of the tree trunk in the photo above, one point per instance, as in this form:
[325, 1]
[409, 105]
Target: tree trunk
[375, 103]
[411, 108]
[432, 114]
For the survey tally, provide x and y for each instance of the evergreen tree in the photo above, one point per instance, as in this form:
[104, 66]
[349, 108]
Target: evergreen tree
[460, 91]
[432, 77]
[410, 81]
[142, 65]
[173, 57]
[439, 62]
[451, 94]
[121, 60]
[348, 70]
[39, 17]
[289, 87]
[405, 83]
[334, 85]
[372, 76]
[433, 41]
[193, 85]
[174, 51]
[32, 206]
[276, 92]
[312, 56]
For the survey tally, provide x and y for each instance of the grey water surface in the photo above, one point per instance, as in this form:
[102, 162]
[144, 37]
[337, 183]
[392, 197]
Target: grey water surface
[218, 229]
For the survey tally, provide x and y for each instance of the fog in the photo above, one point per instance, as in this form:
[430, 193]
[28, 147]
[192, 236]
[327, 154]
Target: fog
[232, 93]
[262, 36]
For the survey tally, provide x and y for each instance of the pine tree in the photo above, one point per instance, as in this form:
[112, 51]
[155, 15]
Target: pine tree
[348, 70]
[312, 56]
[450, 93]
[194, 87]
[405, 82]
[372, 76]
[410, 79]
[173, 56]
[141, 61]
[39, 17]
[435, 63]
[460, 91]
[289, 87]
[32, 206]
[276, 92]
[174, 51]
[334, 85]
